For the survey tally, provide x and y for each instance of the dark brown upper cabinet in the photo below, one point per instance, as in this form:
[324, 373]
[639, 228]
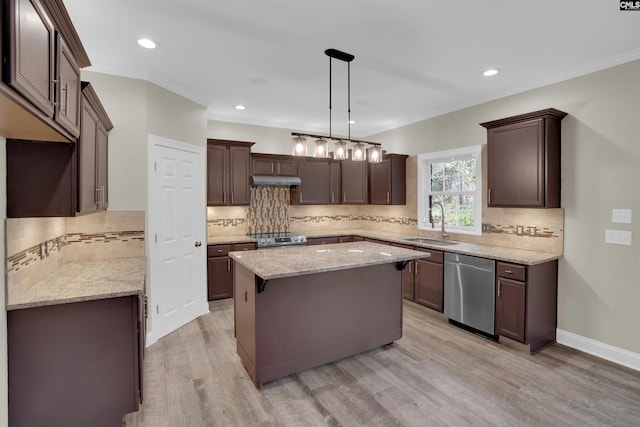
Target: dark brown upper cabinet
[42, 56]
[92, 153]
[387, 180]
[274, 165]
[61, 179]
[354, 182]
[228, 166]
[524, 160]
[320, 182]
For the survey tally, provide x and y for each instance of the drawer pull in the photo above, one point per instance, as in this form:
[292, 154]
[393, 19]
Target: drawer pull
[508, 271]
[499, 287]
[245, 296]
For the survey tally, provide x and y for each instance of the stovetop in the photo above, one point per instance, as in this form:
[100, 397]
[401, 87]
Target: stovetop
[278, 239]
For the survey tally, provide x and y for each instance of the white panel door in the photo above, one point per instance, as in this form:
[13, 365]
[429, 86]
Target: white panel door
[177, 216]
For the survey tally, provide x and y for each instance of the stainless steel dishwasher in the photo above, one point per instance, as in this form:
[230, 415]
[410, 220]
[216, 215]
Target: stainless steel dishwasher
[470, 291]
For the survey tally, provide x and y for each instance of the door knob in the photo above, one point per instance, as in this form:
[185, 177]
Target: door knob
[198, 244]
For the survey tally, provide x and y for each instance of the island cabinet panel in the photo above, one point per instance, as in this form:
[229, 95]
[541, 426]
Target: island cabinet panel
[526, 303]
[387, 181]
[75, 364]
[354, 182]
[304, 321]
[322, 240]
[273, 165]
[429, 280]
[228, 170]
[523, 154]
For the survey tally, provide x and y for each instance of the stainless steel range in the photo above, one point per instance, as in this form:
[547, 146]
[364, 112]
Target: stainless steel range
[278, 240]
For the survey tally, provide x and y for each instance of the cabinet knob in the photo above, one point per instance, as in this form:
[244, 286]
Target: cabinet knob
[198, 244]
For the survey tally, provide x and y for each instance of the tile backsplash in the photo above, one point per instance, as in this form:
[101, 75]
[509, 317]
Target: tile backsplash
[38, 246]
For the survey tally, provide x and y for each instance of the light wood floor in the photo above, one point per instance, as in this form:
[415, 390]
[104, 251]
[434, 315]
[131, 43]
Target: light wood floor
[435, 375]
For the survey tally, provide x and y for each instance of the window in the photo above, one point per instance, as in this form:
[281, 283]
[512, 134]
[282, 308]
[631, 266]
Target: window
[452, 178]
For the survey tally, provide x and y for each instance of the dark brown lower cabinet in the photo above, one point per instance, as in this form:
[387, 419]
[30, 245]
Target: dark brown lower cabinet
[220, 269]
[526, 303]
[429, 280]
[76, 364]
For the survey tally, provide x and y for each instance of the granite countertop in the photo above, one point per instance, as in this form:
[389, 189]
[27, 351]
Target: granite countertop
[300, 260]
[84, 281]
[233, 238]
[499, 253]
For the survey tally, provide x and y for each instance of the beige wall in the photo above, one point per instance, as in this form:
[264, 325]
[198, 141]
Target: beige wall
[267, 139]
[4, 377]
[598, 283]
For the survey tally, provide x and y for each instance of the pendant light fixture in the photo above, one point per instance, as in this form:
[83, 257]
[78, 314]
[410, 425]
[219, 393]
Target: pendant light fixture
[340, 150]
[320, 148]
[299, 146]
[375, 154]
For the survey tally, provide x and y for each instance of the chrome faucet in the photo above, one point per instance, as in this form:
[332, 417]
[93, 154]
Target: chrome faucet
[443, 234]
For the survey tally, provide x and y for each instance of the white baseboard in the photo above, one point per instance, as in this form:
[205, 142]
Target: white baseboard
[605, 351]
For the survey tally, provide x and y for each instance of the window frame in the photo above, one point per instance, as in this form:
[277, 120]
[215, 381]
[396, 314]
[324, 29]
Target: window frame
[424, 191]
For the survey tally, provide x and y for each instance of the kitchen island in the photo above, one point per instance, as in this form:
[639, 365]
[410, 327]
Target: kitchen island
[304, 306]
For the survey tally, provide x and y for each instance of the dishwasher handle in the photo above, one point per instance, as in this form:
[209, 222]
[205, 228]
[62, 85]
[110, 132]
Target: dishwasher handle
[464, 264]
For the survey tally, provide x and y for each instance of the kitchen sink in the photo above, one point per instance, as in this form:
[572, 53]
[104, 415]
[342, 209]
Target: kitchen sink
[428, 241]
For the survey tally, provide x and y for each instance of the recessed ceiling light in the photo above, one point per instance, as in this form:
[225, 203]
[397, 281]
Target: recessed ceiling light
[491, 72]
[351, 122]
[147, 43]
[239, 107]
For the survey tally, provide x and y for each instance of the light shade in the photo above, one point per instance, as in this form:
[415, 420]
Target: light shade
[321, 148]
[340, 150]
[299, 146]
[358, 152]
[375, 154]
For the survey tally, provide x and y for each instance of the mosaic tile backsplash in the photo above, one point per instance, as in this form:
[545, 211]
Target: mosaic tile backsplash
[268, 211]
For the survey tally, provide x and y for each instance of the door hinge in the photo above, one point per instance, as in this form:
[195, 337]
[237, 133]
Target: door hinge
[157, 309]
[155, 166]
[156, 237]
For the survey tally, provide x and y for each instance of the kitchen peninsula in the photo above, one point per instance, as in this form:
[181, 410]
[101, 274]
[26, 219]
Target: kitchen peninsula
[296, 308]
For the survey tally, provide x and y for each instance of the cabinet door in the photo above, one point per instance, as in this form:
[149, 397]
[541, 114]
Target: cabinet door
[429, 284]
[67, 111]
[239, 164]
[219, 278]
[31, 53]
[102, 167]
[335, 182]
[380, 183]
[217, 174]
[315, 188]
[261, 165]
[354, 182]
[510, 309]
[286, 167]
[87, 145]
[516, 165]
[408, 281]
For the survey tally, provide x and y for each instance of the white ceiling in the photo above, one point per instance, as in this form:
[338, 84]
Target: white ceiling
[414, 59]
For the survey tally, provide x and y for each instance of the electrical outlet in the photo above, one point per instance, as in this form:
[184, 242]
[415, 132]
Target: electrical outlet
[617, 237]
[533, 231]
[519, 230]
[486, 227]
[621, 216]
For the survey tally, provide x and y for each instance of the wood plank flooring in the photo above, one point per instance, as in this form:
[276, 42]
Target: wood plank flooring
[436, 375]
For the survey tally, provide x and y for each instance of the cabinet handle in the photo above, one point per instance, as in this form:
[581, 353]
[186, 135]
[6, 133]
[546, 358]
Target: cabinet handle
[508, 271]
[416, 272]
[65, 89]
[272, 167]
[245, 296]
[300, 198]
[228, 264]
[278, 167]
[332, 197]
[387, 197]
[499, 288]
[104, 197]
[219, 251]
[410, 264]
[224, 197]
[232, 197]
[97, 199]
[344, 197]
[489, 190]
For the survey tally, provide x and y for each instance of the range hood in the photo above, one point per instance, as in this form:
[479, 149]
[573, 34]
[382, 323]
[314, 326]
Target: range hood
[282, 181]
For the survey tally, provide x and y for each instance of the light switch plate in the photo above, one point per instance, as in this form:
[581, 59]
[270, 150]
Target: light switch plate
[617, 237]
[621, 216]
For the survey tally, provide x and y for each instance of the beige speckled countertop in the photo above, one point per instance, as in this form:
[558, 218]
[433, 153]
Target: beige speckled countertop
[84, 281]
[299, 260]
[518, 256]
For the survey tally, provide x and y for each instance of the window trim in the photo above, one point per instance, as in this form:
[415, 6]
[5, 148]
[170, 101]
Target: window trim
[424, 160]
